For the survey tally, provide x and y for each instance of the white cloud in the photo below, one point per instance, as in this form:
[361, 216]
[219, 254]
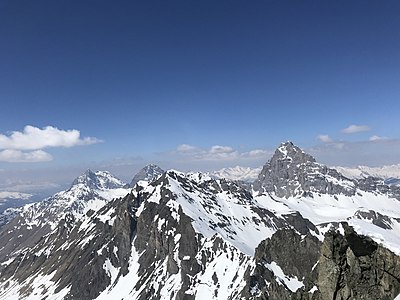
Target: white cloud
[324, 138]
[33, 138]
[218, 153]
[220, 149]
[376, 138]
[185, 148]
[11, 155]
[356, 128]
[370, 152]
[257, 153]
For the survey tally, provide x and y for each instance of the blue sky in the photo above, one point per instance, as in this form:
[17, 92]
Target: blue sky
[195, 84]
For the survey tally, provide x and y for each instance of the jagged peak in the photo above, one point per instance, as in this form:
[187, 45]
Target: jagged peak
[293, 172]
[285, 146]
[289, 151]
[147, 173]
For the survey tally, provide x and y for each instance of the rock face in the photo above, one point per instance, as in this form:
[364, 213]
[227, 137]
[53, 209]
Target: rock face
[284, 266]
[375, 218]
[293, 173]
[355, 267]
[148, 173]
[348, 266]
[379, 185]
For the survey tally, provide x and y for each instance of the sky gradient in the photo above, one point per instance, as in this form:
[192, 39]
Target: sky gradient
[194, 84]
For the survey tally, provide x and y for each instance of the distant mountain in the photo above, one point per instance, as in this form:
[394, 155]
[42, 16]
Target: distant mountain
[305, 232]
[148, 173]
[5, 195]
[100, 180]
[26, 225]
[11, 203]
[237, 173]
[293, 173]
[384, 172]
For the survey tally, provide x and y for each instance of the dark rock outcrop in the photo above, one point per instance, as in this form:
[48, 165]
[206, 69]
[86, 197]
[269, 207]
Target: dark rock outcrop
[376, 218]
[355, 267]
[345, 266]
[297, 256]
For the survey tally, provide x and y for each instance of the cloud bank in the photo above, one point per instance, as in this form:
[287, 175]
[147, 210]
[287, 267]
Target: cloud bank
[372, 152]
[218, 152]
[324, 138]
[27, 145]
[376, 138]
[11, 155]
[356, 128]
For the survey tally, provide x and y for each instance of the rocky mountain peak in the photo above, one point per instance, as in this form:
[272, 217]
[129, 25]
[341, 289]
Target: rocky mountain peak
[292, 173]
[148, 173]
[98, 180]
[291, 154]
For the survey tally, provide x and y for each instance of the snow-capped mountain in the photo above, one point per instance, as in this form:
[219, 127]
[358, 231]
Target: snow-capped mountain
[27, 224]
[238, 173]
[14, 195]
[10, 204]
[89, 191]
[100, 180]
[385, 172]
[179, 221]
[304, 232]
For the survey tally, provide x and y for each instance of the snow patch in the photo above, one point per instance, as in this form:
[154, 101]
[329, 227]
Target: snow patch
[291, 282]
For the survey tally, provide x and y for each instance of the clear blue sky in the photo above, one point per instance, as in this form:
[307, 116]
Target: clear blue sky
[147, 77]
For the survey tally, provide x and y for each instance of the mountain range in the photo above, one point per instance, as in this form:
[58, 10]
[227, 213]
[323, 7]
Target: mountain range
[237, 173]
[300, 230]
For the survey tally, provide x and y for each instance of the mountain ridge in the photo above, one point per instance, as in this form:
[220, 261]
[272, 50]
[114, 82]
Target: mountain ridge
[191, 236]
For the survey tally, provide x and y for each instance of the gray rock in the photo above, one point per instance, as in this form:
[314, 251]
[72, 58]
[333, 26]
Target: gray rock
[297, 256]
[293, 173]
[355, 267]
[148, 173]
[349, 266]
[376, 218]
[378, 185]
